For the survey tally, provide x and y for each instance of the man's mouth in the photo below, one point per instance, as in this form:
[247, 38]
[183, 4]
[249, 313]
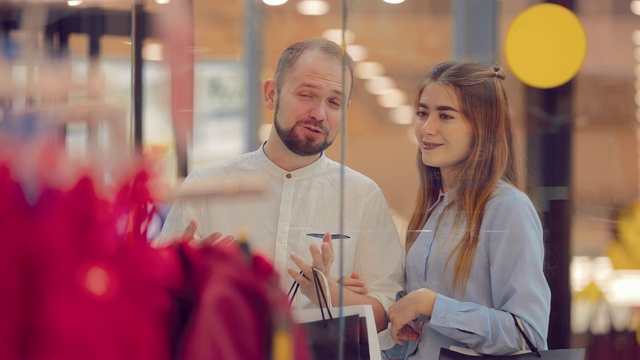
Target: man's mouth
[313, 129]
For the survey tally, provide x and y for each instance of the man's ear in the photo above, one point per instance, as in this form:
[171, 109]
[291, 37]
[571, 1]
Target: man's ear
[269, 94]
[348, 103]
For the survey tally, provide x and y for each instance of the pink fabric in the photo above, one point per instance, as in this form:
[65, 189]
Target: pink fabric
[78, 280]
[76, 289]
[240, 291]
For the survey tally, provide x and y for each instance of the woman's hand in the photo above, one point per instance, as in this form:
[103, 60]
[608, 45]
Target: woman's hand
[355, 284]
[408, 309]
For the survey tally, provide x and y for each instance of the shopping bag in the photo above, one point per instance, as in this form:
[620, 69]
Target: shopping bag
[324, 333]
[563, 354]
[560, 354]
[368, 344]
[323, 338]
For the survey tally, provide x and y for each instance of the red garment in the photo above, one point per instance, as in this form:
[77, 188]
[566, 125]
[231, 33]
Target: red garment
[78, 280]
[87, 293]
[12, 286]
[238, 306]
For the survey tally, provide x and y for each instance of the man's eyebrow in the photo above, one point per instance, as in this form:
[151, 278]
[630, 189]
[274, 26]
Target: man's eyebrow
[307, 85]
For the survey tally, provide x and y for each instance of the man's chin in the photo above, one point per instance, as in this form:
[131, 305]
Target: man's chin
[308, 149]
[306, 152]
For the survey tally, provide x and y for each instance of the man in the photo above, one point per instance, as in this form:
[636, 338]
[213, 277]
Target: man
[302, 198]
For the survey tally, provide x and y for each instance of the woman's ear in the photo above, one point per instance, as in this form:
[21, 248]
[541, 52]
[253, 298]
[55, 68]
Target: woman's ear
[269, 94]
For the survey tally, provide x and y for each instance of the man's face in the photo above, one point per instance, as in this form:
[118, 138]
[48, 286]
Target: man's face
[308, 105]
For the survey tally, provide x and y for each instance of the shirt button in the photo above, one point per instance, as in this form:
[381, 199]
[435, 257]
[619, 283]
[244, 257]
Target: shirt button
[288, 176]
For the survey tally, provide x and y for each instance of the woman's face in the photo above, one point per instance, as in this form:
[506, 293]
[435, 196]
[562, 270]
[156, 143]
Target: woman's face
[444, 135]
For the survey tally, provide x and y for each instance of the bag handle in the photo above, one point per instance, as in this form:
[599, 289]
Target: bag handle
[319, 292]
[322, 299]
[525, 337]
[294, 287]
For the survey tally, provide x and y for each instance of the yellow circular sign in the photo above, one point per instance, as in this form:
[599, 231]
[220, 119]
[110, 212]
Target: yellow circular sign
[545, 46]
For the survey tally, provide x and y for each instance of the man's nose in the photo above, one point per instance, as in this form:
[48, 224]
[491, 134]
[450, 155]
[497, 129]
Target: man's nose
[318, 111]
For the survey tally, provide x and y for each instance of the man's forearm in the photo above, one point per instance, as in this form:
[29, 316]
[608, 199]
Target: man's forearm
[352, 298]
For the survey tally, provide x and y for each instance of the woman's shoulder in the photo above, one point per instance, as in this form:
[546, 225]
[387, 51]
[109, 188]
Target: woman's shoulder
[507, 194]
[509, 207]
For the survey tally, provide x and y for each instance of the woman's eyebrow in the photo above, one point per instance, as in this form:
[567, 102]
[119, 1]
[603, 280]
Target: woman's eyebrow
[439, 108]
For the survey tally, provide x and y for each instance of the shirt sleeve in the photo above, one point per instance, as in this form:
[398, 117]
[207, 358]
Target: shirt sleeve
[512, 237]
[379, 255]
[180, 214]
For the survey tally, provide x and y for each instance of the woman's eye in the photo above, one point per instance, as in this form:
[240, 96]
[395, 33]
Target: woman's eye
[421, 113]
[445, 117]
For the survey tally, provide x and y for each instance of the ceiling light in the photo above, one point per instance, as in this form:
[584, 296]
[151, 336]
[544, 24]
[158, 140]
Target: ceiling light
[379, 85]
[392, 98]
[636, 37]
[635, 7]
[274, 2]
[368, 69]
[152, 52]
[357, 52]
[393, 1]
[312, 7]
[335, 35]
[162, 2]
[74, 2]
[402, 115]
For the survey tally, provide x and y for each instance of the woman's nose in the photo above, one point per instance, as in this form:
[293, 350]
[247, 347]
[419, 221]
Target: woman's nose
[429, 127]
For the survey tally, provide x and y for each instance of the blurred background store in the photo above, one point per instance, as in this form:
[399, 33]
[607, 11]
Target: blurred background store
[580, 140]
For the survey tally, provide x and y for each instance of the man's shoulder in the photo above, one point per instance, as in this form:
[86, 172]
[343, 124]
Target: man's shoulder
[241, 163]
[334, 169]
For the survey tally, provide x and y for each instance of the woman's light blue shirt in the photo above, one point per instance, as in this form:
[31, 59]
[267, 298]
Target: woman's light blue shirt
[507, 277]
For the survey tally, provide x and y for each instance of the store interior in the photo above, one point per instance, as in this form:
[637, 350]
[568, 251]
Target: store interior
[127, 64]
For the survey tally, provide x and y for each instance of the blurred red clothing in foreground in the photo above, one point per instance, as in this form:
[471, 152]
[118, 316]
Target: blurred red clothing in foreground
[78, 279]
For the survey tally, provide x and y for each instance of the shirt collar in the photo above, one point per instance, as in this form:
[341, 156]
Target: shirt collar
[298, 174]
[445, 197]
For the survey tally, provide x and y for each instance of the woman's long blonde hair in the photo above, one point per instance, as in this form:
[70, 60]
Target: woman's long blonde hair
[483, 103]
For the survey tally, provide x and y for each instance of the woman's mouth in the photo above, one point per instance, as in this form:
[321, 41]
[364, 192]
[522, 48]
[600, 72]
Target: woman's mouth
[430, 146]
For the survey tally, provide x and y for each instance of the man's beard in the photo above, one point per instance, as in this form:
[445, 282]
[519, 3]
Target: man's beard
[297, 144]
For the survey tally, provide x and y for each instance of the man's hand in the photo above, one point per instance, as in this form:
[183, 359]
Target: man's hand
[322, 259]
[190, 231]
[354, 288]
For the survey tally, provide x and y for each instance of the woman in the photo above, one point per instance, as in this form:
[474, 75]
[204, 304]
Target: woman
[475, 242]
